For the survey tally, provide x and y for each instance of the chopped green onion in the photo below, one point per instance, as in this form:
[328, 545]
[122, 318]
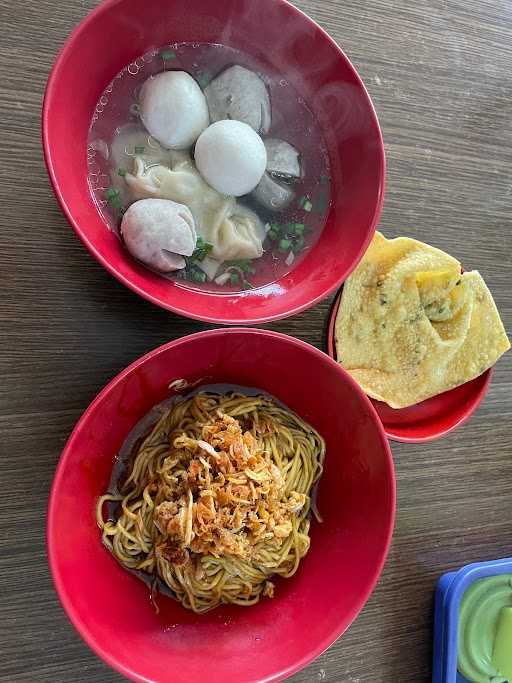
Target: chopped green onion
[166, 55]
[201, 251]
[111, 193]
[298, 245]
[242, 264]
[274, 232]
[234, 278]
[321, 202]
[113, 198]
[284, 244]
[140, 150]
[277, 230]
[297, 228]
[247, 285]
[198, 275]
[203, 78]
[306, 204]
[122, 172]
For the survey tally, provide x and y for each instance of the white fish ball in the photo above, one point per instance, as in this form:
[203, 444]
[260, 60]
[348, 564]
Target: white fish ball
[173, 109]
[231, 157]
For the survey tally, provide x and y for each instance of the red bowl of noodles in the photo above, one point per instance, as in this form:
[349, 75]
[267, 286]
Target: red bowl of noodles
[118, 32]
[269, 641]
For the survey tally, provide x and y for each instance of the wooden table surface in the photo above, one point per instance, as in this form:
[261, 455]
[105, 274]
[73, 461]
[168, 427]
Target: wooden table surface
[440, 74]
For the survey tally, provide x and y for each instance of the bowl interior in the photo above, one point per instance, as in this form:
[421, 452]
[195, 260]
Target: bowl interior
[111, 608]
[430, 419]
[327, 81]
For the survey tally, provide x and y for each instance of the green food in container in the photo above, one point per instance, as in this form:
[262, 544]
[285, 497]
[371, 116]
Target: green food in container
[485, 631]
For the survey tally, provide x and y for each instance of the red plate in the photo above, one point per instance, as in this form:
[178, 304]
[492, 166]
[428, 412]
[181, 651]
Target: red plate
[430, 419]
[119, 31]
[269, 641]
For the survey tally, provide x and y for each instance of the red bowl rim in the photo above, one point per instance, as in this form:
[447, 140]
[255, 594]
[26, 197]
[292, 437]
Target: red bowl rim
[52, 550]
[390, 433]
[48, 97]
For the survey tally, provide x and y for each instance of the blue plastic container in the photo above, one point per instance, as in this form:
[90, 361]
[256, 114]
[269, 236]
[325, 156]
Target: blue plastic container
[449, 591]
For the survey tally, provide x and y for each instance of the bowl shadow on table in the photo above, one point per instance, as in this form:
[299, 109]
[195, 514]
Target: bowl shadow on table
[390, 641]
[100, 294]
[128, 324]
[399, 630]
[442, 524]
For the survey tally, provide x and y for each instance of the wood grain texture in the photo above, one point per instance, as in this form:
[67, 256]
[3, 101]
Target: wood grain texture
[440, 74]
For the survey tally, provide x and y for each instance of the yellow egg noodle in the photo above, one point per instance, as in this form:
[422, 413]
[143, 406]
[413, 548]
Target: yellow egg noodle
[218, 499]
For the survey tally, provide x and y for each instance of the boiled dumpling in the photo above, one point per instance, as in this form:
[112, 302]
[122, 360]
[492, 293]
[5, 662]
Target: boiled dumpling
[273, 195]
[283, 167]
[239, 235]
[132, 140]
[173, 108]
[283, 160]
[159, 232]
[240, 95]
[182, 184]
[231, 157]
[234, 231]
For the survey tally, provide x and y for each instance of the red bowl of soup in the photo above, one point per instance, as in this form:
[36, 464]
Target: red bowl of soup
[339, 219]
[269, 641]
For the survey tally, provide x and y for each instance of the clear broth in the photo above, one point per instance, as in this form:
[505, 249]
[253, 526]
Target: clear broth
[292, 121]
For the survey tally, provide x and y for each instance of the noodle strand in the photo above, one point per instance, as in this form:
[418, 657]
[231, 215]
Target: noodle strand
[208, 579]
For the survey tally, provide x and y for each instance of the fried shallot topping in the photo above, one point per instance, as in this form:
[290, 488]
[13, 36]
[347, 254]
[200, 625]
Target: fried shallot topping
[224, 496]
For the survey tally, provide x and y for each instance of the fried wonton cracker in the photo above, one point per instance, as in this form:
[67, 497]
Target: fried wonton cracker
[411, 326]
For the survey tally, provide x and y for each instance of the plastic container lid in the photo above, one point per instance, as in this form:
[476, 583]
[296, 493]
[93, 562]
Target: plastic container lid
[449, 591]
